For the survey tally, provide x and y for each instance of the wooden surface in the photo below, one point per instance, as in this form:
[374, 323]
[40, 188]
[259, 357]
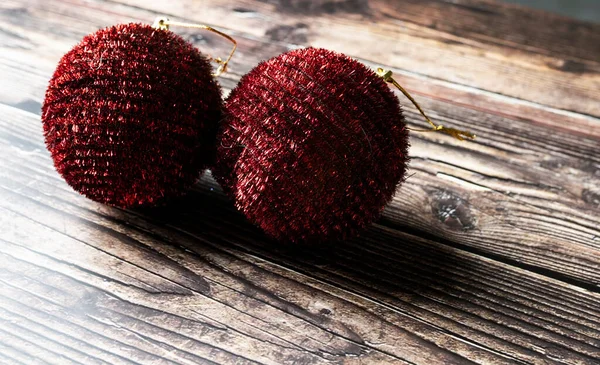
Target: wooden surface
[489, 253]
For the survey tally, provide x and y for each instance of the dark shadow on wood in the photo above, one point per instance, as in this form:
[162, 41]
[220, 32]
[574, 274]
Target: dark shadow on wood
[382, 262]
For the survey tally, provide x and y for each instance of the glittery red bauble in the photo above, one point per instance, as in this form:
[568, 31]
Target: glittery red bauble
[313, 146]
[131, 115]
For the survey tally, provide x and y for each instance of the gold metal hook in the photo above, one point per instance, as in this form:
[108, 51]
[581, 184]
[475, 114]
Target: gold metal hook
[163, 23]
[456, 133]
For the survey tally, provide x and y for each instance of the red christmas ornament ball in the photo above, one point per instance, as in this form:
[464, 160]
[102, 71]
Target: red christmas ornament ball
[130, 116]
[313, 146]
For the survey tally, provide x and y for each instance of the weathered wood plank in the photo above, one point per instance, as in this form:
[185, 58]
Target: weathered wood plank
[489, 254]
[531, 177]
[196, 270]
[487, 45]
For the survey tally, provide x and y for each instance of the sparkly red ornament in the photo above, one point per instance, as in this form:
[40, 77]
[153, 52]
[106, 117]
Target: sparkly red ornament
[313, 146]
[130, 115]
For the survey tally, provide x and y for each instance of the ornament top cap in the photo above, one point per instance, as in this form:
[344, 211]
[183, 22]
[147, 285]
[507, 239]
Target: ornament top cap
[161, 23]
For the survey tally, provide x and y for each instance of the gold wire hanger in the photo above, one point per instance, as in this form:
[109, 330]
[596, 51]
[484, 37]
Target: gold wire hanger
[456, 133]
[163, 23]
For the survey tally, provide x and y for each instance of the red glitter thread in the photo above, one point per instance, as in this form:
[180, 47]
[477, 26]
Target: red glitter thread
[313, 146]
[130, 115]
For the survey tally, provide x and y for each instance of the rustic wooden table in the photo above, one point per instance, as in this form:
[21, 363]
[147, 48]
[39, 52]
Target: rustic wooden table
[489, 253]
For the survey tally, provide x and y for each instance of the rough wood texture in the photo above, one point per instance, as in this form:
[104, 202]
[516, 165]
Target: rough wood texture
[490, 253]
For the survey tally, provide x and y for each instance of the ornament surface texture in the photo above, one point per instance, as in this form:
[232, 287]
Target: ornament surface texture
[131, 114]
[312, 147]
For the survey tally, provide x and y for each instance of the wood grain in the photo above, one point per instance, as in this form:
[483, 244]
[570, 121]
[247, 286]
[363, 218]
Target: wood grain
[489, 253]
[496, 170]
[529, 55]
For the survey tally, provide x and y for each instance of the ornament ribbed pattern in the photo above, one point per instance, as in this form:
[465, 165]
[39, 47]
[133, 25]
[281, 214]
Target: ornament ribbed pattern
[130, 115]
[313, 146]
